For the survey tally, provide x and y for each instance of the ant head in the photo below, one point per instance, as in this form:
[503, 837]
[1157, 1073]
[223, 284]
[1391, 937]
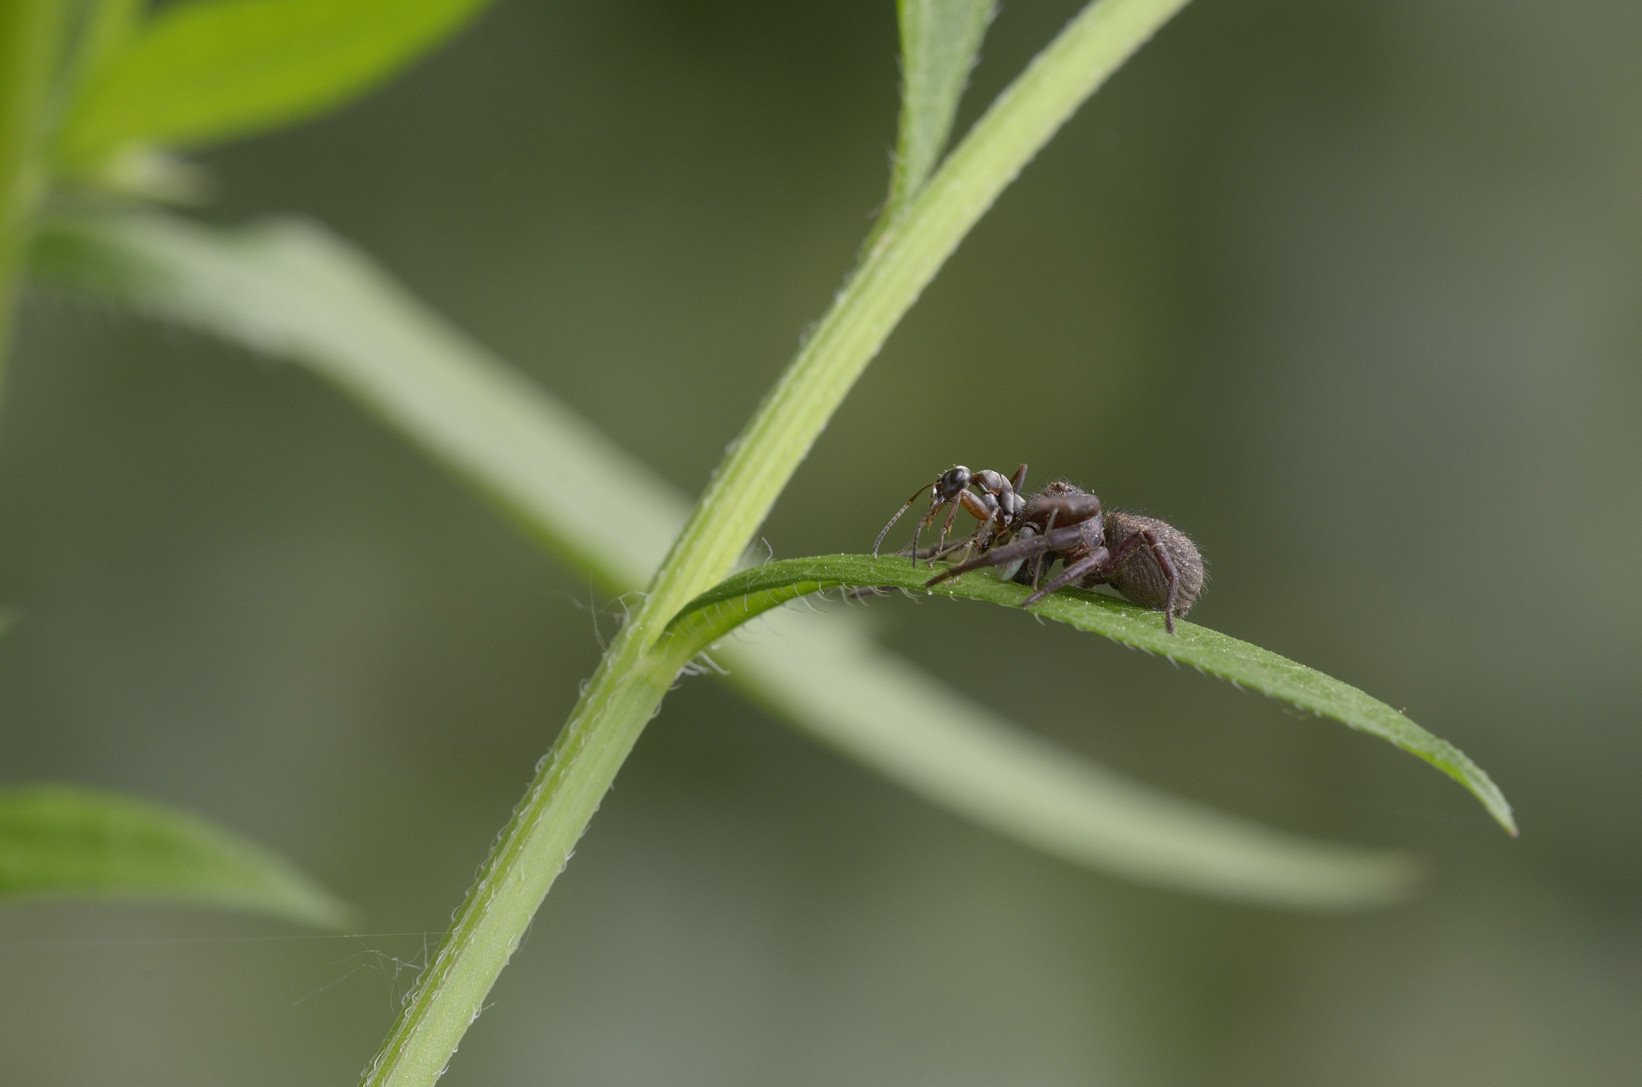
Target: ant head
[953, 482]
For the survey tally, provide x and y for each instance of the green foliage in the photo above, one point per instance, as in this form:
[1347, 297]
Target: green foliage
[293, 291]
[636, 673]
[716, 612]
[213, 69]
[30, 31]
[208, 70]
[939, 42]
[57, 842]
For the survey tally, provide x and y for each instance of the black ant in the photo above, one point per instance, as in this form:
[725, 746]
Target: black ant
[1149, 561]
[996, 502]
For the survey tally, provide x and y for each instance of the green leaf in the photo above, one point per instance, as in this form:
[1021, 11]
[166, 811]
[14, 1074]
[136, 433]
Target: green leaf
[208, 70]
[63, 842]
[293, 291]
[747, 594]
[856, 697]
[939, 43]
[30, 33]
[109, 24]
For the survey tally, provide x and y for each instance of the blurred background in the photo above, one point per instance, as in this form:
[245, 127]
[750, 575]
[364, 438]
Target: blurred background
[1348, 292]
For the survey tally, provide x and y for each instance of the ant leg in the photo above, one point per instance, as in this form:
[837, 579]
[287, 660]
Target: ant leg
[935, 507]
[1092, 561]
[952, 548]
[984, 508]
[1020, 479]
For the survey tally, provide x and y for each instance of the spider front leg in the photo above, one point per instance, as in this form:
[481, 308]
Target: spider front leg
[1019, 550]
[1076, 571]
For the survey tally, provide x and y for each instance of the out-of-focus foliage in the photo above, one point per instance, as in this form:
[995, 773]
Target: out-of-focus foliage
[292, 291]
[59, 841]
[1347, 291]
[191, 73]
[201, 71]
[939, 41]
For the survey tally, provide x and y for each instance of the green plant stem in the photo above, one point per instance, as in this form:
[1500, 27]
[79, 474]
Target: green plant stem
[901, 263]
[291, 291]
[533, 849]
[29, 32]
[632, 679]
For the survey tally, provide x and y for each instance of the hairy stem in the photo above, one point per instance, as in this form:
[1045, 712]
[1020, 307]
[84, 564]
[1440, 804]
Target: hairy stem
[635, 674]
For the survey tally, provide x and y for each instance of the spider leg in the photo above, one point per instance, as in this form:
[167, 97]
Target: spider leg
[1121, 554]
[1039, 567]
[1165, 564]
[1126, 551]
[1011, 571]
[1009, 552]
[1090, 562]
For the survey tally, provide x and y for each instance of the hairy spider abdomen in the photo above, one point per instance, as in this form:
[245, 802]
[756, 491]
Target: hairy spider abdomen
[1141, 578]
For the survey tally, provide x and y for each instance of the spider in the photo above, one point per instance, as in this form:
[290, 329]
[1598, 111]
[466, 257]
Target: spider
[1149, 561]
[996, 502]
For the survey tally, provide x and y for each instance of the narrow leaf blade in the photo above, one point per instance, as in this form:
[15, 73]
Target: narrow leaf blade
[939, 42]
[751, 592]
[63, 842]
[293, 291]
[874, 707]
[207, 70]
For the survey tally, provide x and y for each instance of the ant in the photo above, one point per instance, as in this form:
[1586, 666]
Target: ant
[1149, 561]
[997, 505]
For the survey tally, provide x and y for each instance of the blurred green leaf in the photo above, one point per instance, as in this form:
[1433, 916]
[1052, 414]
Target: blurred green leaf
[293, 291]
[939, 42]
[824, 675]
[30, 36]
[63, 842]
[740, 597]
[208, 70]
[108, 25]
